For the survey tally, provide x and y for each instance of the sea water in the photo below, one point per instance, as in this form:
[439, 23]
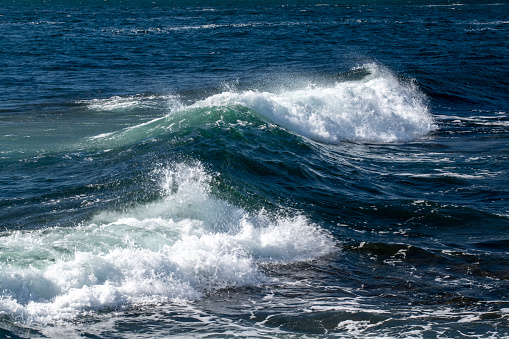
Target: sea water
[254, 169]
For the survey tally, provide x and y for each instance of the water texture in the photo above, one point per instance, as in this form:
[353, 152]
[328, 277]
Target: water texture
[261, 169]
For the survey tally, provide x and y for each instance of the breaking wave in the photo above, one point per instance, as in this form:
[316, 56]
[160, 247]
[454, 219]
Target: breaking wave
[180, 247]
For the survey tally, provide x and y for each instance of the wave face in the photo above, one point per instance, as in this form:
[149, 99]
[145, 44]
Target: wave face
[180, 247]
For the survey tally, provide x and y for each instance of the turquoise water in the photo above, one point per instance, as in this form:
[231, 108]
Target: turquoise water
[261, 169]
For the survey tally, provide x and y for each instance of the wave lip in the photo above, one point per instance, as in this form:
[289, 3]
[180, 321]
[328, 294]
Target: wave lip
[375, 108]
[181, 247]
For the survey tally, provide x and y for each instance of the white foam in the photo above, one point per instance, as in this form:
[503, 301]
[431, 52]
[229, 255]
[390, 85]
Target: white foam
[184, 245]
[378, 108]
[131, 102]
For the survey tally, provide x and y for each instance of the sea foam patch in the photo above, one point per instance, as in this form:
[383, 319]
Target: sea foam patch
[180, 247]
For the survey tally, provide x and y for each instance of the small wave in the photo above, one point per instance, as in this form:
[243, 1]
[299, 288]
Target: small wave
[132, 102]
[178, 248]
[481, 118]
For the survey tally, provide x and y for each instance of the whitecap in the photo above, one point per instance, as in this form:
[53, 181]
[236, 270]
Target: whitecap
[377, 108]
[180, 247]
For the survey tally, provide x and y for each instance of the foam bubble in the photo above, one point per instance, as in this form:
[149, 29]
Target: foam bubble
[376, 108]
[180, 247]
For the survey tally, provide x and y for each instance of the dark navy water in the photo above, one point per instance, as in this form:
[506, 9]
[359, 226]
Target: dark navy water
[254, 169]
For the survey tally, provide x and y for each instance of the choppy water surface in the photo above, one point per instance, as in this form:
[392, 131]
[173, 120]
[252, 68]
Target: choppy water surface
[255, 169]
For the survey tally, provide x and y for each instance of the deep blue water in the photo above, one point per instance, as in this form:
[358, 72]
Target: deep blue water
[254, 169]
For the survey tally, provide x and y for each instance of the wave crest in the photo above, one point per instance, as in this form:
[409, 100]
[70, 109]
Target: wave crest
[367, 104]
[374, 108]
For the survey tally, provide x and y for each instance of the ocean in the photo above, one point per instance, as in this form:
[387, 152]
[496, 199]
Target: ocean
[254, 169]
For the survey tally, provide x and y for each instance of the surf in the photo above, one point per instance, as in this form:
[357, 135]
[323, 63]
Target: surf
[177, 248]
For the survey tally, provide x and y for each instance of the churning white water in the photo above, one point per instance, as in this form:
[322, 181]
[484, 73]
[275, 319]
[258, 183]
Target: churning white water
[177, 248]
